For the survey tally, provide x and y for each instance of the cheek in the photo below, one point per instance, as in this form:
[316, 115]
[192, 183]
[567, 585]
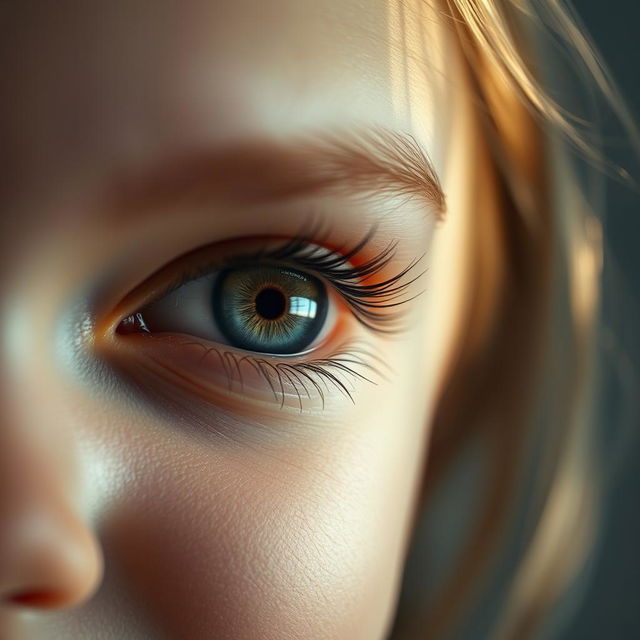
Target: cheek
[300, 540]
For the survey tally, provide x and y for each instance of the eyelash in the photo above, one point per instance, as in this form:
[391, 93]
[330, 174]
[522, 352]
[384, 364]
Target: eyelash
[278, 373]
[374, 305]
[365, 300]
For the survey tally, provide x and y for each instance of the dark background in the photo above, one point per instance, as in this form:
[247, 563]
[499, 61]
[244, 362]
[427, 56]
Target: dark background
[611, 606]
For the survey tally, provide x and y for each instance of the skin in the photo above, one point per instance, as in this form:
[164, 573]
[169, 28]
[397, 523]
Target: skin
[131, 513]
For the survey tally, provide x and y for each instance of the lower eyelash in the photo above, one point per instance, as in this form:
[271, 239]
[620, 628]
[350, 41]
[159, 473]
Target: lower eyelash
[349, 363]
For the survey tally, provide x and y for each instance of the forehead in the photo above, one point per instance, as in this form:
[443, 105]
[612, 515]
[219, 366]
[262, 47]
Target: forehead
[96, 91]
[84, 82]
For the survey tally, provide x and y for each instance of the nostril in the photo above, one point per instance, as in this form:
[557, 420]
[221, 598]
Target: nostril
[49, 559]
[35, 598]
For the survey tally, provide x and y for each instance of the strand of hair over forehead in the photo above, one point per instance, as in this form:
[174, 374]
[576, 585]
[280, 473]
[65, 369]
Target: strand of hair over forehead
[489, 22]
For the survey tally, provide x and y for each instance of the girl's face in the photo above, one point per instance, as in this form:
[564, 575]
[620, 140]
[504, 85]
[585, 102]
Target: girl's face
[207, 431]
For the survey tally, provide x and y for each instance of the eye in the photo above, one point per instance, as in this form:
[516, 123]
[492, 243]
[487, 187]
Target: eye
[264, 308]
[269, 309]
[264, 319]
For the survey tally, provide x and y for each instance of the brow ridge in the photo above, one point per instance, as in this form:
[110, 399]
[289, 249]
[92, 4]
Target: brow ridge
[366, 161]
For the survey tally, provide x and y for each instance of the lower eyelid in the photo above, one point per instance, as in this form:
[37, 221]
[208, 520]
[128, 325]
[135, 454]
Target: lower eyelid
[241, 381]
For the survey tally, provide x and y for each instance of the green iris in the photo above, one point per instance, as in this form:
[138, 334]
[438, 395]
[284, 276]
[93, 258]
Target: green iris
[269, 309]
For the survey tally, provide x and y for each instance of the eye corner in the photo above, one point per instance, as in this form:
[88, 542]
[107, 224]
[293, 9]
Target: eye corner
[133, 323]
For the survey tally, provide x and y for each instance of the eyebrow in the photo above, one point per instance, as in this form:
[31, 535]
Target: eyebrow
[372, 161]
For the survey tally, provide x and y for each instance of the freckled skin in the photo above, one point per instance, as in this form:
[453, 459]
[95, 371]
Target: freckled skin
[119, 519]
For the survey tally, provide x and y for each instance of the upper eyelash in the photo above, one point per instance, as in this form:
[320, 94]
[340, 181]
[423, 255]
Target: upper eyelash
[369, 303]
[365, 300]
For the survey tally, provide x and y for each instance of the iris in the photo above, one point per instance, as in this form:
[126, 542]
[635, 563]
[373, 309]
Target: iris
[269, 309]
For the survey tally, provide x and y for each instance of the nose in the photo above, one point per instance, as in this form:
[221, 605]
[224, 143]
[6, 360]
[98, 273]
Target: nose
[49, 556]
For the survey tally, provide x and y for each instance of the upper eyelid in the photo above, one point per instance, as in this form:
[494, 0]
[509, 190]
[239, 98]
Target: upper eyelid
[159, 284]
[369, 303]
[209, 268]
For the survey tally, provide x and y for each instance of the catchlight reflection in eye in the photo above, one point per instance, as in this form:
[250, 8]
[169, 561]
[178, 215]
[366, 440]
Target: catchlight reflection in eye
[303, 307]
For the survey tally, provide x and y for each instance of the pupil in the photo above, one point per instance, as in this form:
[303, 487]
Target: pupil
[270, 303]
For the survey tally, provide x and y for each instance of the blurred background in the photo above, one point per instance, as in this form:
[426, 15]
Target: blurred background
[611, 606]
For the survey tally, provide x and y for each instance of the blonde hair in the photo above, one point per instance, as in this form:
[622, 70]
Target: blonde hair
[521, 380]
